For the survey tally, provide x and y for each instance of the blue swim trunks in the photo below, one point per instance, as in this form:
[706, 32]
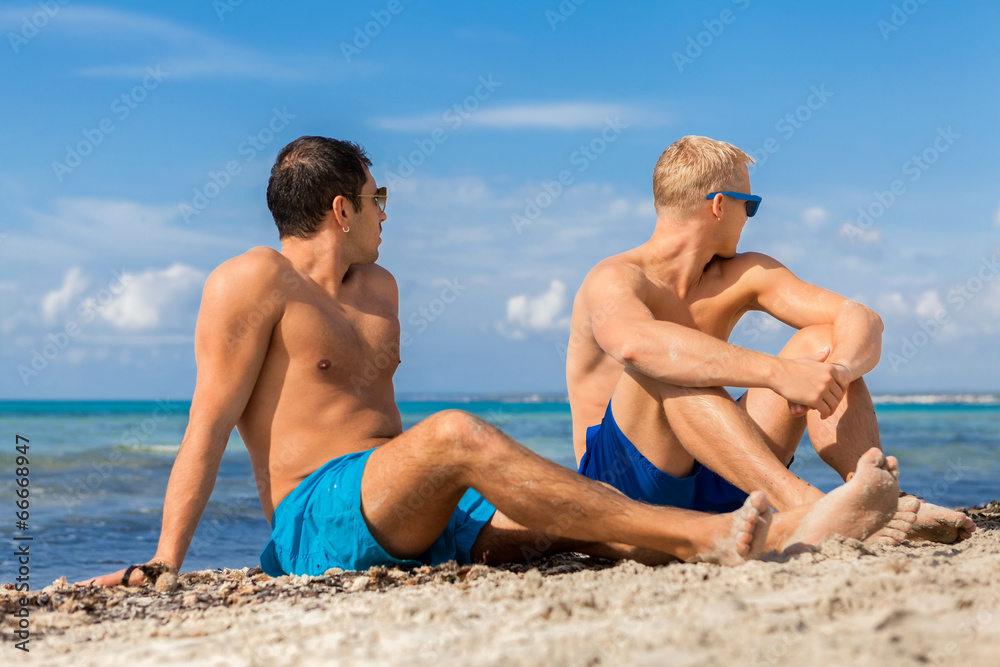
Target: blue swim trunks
[319, 525]
[611, 458]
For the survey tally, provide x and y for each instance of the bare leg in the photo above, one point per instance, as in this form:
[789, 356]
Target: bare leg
[673, 426]
[505, 541]
[437, 460]
[841, 439]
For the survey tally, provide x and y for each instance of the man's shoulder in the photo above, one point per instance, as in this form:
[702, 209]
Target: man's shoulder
[260, 269]
[374, 273]
[748, 260]
[746, 264]
[259, 264]
[378, 282]
[612, 280]
[617, 268]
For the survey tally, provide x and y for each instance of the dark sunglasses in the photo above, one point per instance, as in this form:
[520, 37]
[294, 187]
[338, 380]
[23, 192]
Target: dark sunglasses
[381, 196]
[752, 201]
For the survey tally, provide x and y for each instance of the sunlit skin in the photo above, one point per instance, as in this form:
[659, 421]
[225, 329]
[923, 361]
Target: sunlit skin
[649, 333]
[286, 344]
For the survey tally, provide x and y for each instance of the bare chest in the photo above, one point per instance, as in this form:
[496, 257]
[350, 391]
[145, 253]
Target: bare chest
[346, 345]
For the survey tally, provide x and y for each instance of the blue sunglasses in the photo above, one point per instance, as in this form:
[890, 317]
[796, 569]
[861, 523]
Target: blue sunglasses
[752, 201]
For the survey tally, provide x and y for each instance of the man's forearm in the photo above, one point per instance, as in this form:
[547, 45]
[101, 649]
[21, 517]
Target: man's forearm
[685, 357]
[188, 490]
[857, 339]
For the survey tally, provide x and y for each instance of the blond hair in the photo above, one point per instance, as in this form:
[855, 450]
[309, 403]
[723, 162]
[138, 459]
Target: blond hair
[692, 167]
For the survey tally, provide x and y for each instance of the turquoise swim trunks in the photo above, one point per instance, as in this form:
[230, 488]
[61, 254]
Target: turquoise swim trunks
[319, 525]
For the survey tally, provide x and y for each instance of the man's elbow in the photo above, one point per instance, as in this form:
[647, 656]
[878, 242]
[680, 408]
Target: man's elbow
[860, 314]
[876, 323]
[629, 352]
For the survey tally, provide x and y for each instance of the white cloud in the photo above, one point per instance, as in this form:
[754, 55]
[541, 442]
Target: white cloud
[182, 52]
[892, 304]
[815, 216]
[152, 299]
[929, 306]
[539, 115]
[142, 229]
[536, 313]
[58, 301]
[853, 234]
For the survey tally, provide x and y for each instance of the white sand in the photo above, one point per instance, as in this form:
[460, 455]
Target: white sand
[914, 604]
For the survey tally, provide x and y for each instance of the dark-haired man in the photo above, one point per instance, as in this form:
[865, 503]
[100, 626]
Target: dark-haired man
[341, 482]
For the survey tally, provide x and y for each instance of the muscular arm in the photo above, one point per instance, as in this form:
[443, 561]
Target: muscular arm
[678, 354]
[625, 328]
[230, 351]
[857, 330]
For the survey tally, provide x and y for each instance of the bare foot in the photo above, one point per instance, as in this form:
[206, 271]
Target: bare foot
[939, 524]
[900, 525]
[857, 509]
[742, 539]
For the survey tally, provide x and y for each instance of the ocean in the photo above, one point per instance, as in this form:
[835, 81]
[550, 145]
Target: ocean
[98, 471]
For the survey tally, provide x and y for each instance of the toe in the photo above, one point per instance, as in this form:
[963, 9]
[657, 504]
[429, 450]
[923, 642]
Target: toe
[909, 504]
[892, 465]
[759, 502]
[873, 457]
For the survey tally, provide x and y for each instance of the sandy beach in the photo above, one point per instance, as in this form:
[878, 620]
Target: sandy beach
[919, 603]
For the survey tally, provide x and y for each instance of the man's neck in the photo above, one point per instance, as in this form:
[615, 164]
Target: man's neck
[320, 257]
[677, 253]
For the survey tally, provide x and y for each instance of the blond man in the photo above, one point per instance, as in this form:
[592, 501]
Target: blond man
[648, 359]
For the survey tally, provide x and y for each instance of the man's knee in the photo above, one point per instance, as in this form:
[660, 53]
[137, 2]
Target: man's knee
[458, 430]
[808, 341]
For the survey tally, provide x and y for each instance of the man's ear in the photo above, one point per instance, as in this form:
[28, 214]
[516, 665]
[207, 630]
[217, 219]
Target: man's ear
[342, 210]
[717, 206]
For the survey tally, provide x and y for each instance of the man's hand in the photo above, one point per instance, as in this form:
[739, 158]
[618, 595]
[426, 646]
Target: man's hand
[809, 382]
[136, 578]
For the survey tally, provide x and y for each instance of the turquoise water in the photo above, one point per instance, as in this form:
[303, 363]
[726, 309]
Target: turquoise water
[98, 472]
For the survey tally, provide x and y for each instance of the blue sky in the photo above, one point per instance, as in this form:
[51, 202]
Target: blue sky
[517, 140]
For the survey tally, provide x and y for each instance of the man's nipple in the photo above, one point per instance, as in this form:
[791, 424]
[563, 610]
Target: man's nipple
[323, 364]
